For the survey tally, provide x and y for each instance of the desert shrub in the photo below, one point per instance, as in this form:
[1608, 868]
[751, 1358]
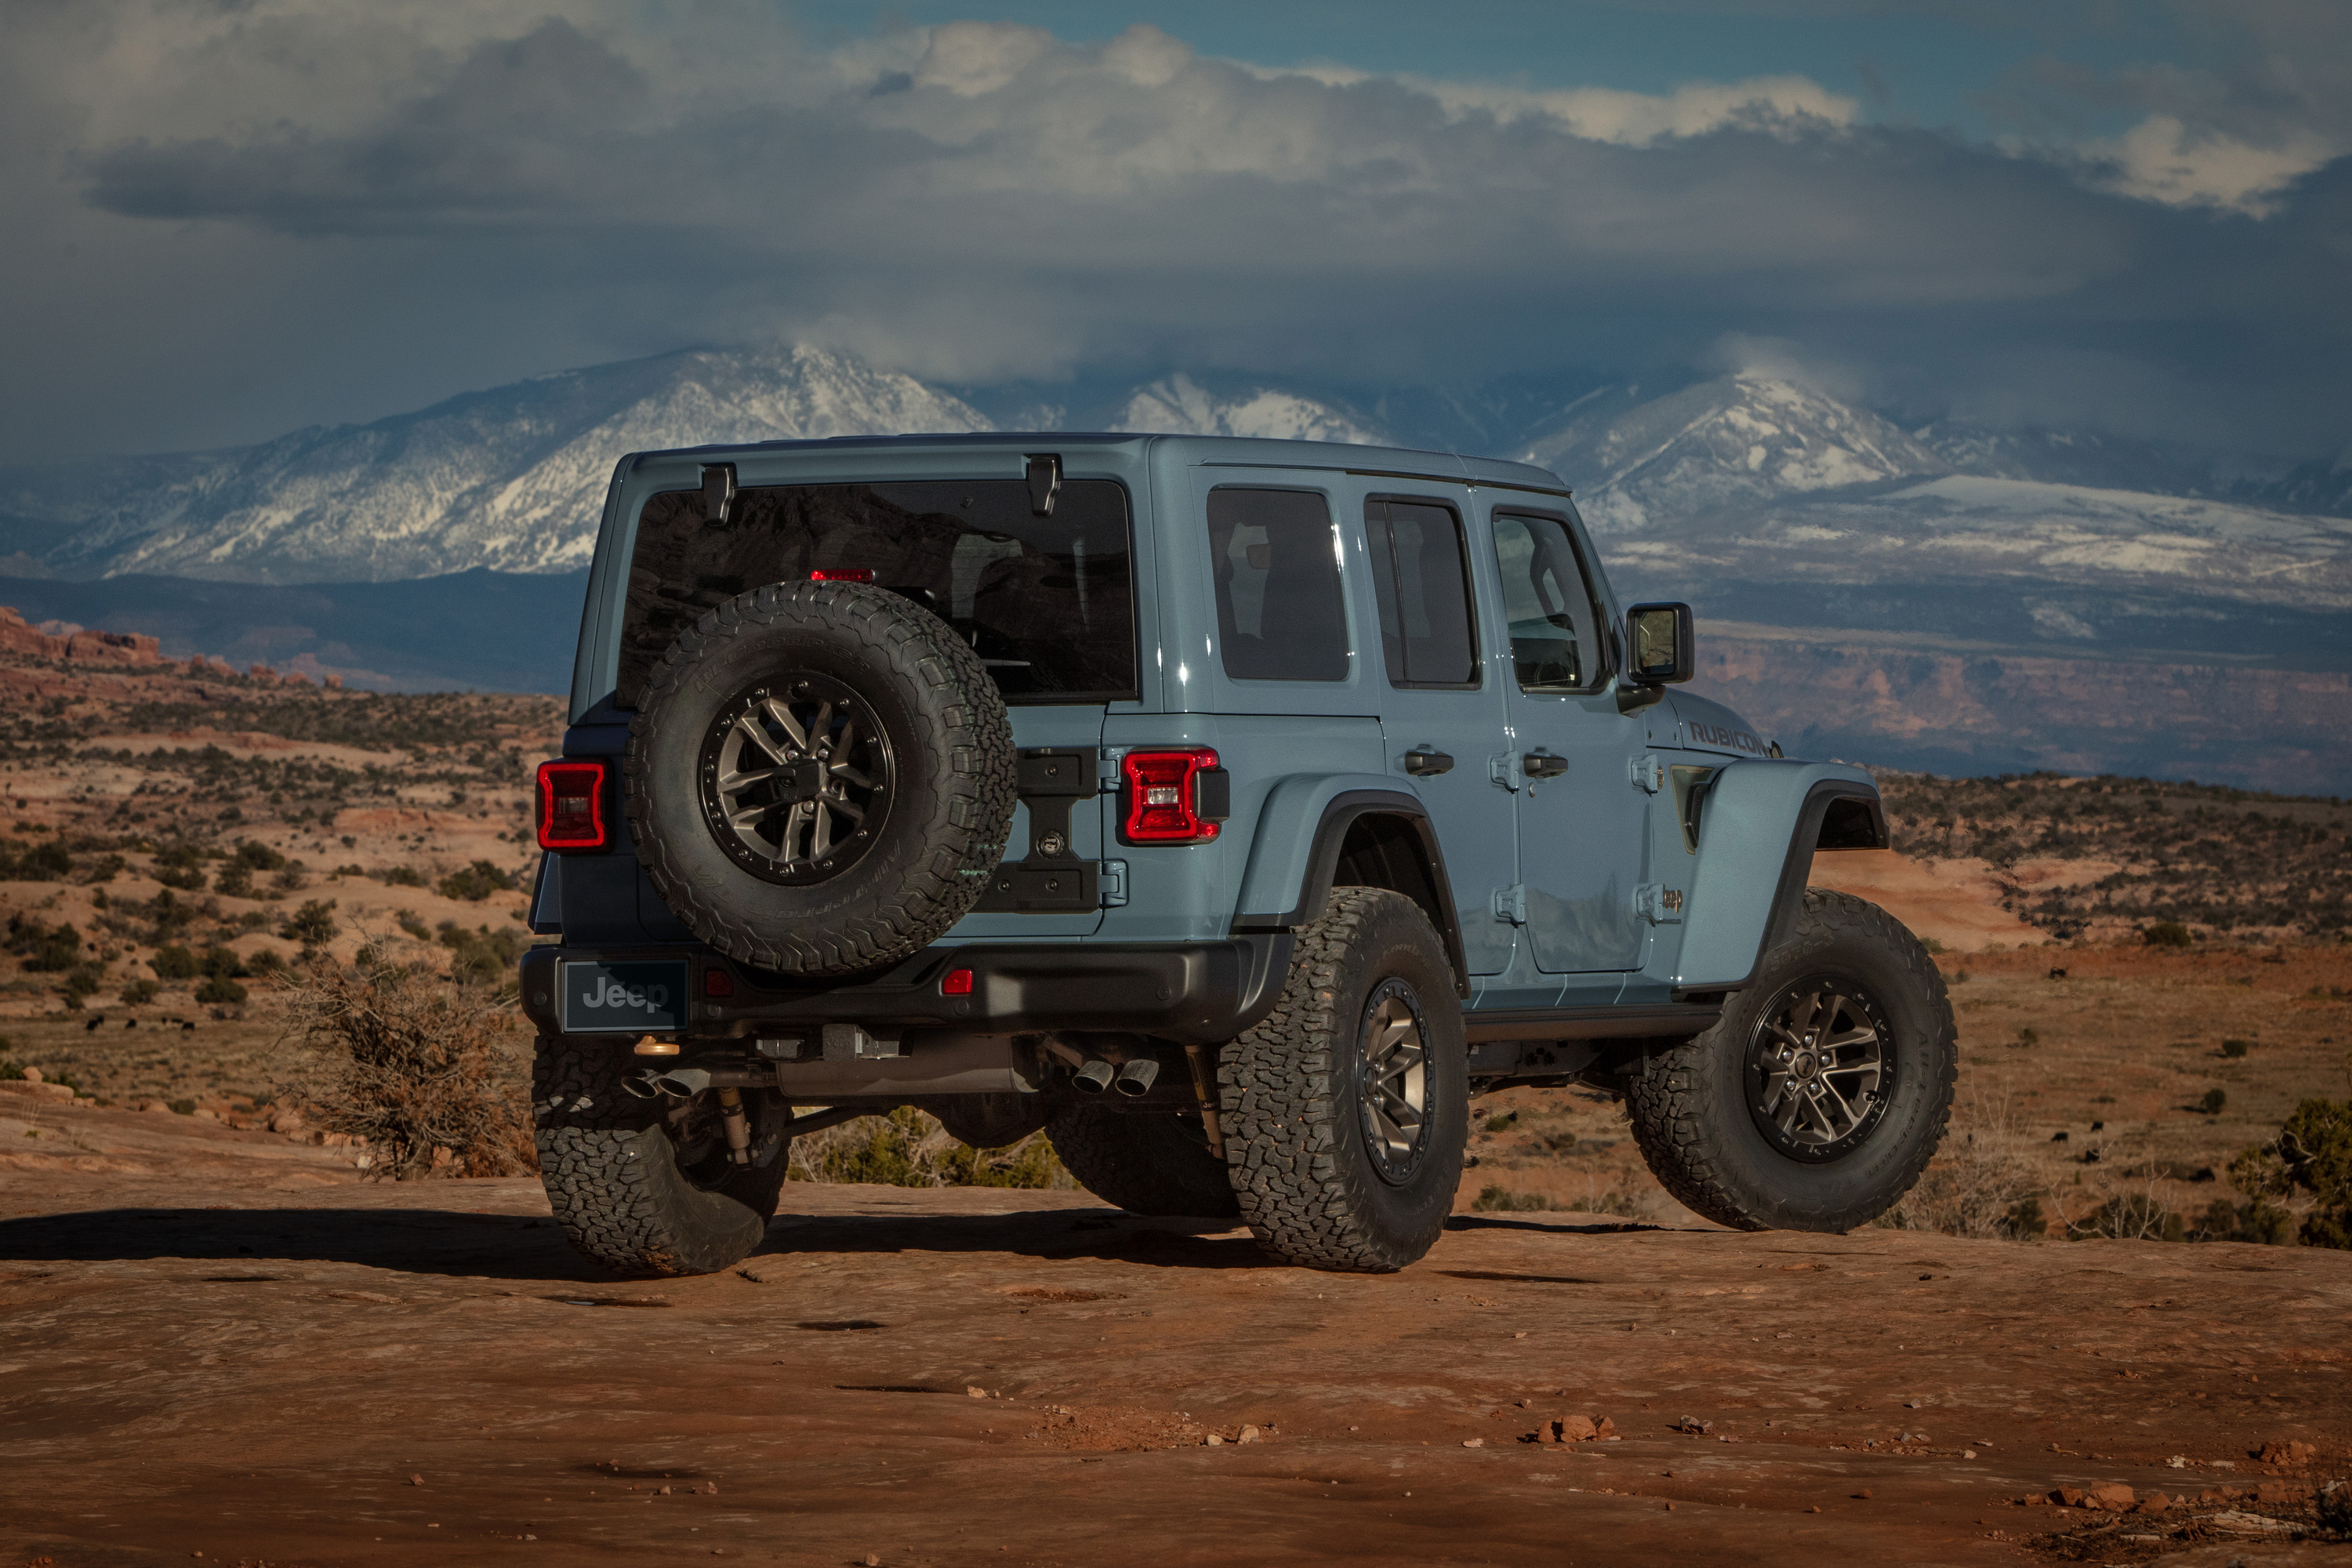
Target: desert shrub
[1502, 1120]
[313, 926]
[2309, 1164]
[105, 868]
[234, 880]
[48, 862]
[176, 866]
[400, 876]
[220, 991]
[11, 1072]
[2166, 933]
[476, 882]
[2236, 1048]
[174, 962]
[265, 961]
[414, 924]
[182, 1107]
[481, 957]
[291, 877]
[2129, 1216]
[2215, 1101]
[254, 857]
[2028, 1036]
[1495, 1199]
[45, 949]
[83, 979]
[387, 1051]
[1977, 1185]
[909, 1148]
[138, 992]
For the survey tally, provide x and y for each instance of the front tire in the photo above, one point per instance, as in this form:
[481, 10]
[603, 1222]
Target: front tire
[645, 1188]
[1346, 1112]
[1818, 1098]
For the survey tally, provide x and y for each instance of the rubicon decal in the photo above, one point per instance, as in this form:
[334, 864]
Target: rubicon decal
[1728, 740]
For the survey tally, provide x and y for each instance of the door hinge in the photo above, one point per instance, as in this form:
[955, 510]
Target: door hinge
[1504, 769]
[1114, 884]
[1511, 903]
[1658, 904]
[1649, 774]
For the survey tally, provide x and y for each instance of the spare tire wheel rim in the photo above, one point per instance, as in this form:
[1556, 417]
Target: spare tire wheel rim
[1820, 1068]
[1392, 1079]
[796, 775]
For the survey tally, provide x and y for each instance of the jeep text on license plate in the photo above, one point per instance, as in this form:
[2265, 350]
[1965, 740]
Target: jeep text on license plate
[624, 998]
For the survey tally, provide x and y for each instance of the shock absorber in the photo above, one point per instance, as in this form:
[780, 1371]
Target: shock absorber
[739, 1128]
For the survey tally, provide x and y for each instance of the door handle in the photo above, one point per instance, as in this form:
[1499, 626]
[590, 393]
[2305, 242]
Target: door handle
[1422, 762]
[1543, 766]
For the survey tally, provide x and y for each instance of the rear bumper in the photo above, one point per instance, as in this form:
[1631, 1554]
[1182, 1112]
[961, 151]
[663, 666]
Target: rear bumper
[1202, 992]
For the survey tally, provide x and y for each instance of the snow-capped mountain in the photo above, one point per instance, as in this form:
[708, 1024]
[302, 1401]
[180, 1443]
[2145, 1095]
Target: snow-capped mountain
[1177, 405]
[1733, 443]
[510, 480]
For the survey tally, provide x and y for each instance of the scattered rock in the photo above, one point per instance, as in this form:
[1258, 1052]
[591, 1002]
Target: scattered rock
[33, 1075]
[1249, 1435]
[1215, 1441]
[971, 1392]
[1467, 1442]
[2287, 1453]
[1694, 1426]
[2066, 1497]
[661, 1491]
[416, 1481]
[1864, 1495]
[2155, 1503]
[2115, 1497]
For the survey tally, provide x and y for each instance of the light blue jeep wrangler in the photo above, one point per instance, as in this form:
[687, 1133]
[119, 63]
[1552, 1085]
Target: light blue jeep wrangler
[1235, 811]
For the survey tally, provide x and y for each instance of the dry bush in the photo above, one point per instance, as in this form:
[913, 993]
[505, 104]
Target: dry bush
[909, 1148]
[1978, 1185]
[434, 1075]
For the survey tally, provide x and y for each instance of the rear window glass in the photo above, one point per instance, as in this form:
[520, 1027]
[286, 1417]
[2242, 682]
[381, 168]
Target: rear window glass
[1048, 603]
[1422, 576]
[1276, 561]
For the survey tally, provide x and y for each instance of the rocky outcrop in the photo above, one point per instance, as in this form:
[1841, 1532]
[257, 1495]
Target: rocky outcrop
[80, 647]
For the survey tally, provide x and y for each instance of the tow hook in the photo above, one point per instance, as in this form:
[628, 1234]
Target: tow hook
[739, 1130]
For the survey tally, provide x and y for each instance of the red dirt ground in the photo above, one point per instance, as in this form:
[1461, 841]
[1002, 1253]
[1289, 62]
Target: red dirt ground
[218, 1343]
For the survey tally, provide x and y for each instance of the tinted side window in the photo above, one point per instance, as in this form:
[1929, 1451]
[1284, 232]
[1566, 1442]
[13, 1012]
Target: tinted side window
[1276, 560]
[1554, 637]
[1423, 576]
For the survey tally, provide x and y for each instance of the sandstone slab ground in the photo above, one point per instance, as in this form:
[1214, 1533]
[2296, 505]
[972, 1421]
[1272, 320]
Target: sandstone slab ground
[214, 1342]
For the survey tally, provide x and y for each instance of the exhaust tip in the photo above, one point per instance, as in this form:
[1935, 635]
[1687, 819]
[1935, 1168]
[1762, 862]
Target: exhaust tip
[642, 1086]
[1136, 1077]
[1093, 1077]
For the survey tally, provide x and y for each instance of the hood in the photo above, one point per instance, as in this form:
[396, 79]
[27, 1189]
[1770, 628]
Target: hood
[1711, 727]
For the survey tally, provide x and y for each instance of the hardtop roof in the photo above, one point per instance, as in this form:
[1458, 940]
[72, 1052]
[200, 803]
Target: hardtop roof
[1208, 451]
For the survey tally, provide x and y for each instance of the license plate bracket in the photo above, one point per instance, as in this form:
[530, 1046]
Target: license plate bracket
[627, 996]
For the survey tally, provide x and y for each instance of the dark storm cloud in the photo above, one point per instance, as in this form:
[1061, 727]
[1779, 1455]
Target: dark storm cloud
[980, 201]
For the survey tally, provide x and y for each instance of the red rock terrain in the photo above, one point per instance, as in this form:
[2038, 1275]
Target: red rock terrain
[219, 1343]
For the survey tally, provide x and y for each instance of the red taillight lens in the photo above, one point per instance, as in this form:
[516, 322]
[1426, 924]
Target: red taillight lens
[842, 575]
[571, 805]
[717, 983]
[1163, 804]
[957, 983]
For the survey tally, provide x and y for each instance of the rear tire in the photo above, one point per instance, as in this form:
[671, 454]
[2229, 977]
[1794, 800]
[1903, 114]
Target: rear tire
[645, 1188]
[1723, 1117]
[1316, 1100]
[1148, 1162]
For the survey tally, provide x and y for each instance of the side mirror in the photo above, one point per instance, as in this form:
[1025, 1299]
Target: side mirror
[1658, 644]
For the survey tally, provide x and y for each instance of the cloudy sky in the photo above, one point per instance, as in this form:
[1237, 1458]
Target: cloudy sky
[229, 218]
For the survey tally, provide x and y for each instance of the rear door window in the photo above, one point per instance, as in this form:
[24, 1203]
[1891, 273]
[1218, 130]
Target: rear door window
[1048, 603]
[1421, 572]
[1276, 558]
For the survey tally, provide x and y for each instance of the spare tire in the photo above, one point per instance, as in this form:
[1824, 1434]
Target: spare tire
[820, 778]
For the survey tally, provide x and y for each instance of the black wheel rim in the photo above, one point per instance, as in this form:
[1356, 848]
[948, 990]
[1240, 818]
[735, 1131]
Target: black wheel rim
[1820, 1068]
[1392, 1079]
[796, 779]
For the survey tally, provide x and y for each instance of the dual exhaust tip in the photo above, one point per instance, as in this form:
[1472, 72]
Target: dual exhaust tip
[1134, 1078]
[676, 1083]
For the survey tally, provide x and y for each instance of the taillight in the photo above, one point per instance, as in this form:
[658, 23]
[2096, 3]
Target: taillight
[842, 575]
[571, 805]
[1173, 797]
[956, 982]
